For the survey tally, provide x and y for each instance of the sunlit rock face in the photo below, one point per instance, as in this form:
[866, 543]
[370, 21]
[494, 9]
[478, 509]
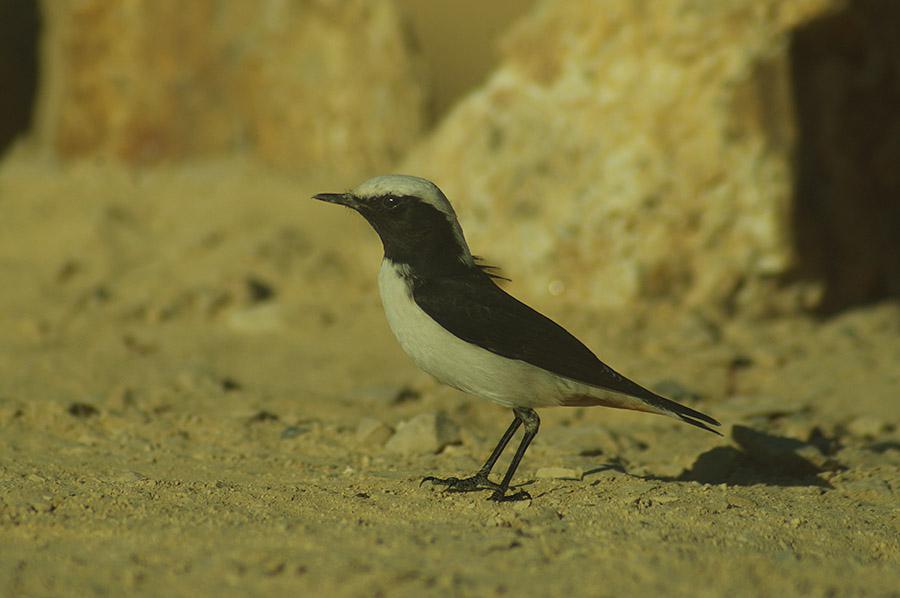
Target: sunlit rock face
[303, 85]
[629, 150]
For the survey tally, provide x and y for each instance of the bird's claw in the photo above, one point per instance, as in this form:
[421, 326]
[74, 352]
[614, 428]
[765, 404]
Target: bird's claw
[475, 483]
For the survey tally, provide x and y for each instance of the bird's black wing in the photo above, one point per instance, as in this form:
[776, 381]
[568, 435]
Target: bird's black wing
[476, 310]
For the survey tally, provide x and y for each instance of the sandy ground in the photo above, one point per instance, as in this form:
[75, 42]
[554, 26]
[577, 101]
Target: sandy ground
[186, 358]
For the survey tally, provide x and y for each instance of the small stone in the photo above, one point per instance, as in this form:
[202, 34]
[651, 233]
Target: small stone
[294, 431]
[230, 384]
[82, 410]
[262, 416]
[372, 432]
[259, 318]
[741, 502]
[258, 291]
[406, 394]
[558, 473]
[424, 434]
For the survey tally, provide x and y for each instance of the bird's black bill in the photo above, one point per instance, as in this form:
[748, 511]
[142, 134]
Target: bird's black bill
[341, 199]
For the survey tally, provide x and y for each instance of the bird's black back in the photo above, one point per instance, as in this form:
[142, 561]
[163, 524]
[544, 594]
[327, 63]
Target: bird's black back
[473, 308]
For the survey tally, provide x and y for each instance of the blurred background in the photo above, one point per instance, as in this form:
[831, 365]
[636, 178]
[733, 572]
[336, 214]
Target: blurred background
[197, 384]
[735, 154]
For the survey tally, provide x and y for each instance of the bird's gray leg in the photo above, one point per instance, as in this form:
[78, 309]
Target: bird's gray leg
[480, 480]
[532, 422]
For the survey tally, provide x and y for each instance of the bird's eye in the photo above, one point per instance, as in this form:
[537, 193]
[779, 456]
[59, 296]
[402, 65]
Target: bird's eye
[390, 201]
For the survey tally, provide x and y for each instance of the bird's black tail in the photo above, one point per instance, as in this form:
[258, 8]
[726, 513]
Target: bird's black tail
[662, 405]
[685, 414]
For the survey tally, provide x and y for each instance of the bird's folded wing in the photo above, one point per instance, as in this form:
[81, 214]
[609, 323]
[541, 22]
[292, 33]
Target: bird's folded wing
[477, 311]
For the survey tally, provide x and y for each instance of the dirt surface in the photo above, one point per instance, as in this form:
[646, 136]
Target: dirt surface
[198, 389]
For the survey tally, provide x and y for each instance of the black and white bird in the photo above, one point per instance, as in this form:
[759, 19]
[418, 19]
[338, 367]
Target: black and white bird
[455, 322]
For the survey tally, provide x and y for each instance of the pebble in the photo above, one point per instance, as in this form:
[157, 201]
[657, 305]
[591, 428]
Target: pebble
[294, 431]
[558, 473]
[741, 502]
[427, 433]
[372, 432]
[82, 410]
[264, 317]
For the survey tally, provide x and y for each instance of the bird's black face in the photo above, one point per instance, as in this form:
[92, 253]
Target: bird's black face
[412, 230]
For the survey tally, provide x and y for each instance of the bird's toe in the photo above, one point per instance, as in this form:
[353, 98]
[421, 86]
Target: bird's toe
[472, 484]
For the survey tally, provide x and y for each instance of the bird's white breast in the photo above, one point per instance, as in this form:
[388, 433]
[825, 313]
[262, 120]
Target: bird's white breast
[458, 363]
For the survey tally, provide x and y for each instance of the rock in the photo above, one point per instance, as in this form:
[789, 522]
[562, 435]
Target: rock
[558, 473]
[372, 433]
[291, 432]
[308, 86]
[424, 434]
[258, 319]
[654, 148]
[741, 502]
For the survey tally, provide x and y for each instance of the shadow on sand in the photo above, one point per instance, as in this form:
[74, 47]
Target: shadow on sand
[760, 458]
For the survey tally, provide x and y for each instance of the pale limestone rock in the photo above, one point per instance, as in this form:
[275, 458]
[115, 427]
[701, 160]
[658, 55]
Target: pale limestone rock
[629, 149]
[427, 433]
[371, 432]
[311, 86]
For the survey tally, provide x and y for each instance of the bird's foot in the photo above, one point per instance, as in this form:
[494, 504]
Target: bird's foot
[479, 481]
[500, 495]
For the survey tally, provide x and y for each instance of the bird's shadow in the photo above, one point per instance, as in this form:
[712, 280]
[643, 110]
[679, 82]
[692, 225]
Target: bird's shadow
[728, 465]
[760, 458]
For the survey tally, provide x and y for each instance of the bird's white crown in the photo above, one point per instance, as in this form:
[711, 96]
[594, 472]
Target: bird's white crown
[402, 185]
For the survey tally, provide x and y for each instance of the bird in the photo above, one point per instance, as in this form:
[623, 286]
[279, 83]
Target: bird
[448, 313]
